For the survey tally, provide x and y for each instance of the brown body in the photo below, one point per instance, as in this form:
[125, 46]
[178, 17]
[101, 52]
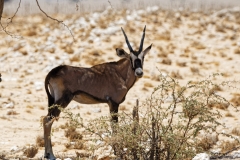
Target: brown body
[103, 83]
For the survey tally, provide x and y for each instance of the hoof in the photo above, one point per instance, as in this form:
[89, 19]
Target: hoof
[48, 156]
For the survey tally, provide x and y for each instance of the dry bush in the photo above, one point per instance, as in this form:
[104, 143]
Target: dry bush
[64, 126]
[40, 141]
[3, 156]
[237, 50]
[68, 49]
[30, 151]
[166, 129]
[167, 61]
[72, 134]
[228, 114]
[198, 45]
[165, 35]
[30, 107]
[194, 70]
[83, 154]
[147, 84]
[176, 75]
[228, 145]
[181, 64]
[28, 111]
[78, 144]
[236, 131]
[163, 131]
[12, 112]
[215, 89]
[219, 105]
[236, 99]
[41, 107]
[122, 108]
[207, 142]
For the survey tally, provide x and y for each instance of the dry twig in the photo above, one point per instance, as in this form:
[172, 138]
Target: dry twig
[55, 20]
[10, 21]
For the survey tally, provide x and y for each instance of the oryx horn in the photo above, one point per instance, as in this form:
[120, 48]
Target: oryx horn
[142, 40]
[129, 46]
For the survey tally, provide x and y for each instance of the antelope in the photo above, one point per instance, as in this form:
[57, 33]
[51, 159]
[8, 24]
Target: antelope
[103, 83]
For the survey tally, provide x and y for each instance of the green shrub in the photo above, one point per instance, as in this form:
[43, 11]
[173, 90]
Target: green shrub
[171, 123]
[168, 125]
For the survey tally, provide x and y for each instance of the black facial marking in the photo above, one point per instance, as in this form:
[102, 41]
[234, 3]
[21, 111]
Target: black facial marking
[138, 63]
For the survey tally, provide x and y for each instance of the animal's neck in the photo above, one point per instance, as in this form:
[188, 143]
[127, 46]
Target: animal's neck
[127, 72]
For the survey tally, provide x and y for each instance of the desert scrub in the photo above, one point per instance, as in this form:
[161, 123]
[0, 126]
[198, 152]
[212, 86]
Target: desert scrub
[171, 123]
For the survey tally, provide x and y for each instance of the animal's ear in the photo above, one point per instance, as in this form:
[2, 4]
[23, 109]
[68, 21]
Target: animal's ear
[146, 50]
[122, 53]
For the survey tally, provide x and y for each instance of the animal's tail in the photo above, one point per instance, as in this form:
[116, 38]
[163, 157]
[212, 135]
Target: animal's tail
[50, 97]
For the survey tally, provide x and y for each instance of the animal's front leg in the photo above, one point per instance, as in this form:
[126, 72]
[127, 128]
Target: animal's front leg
[47, 125]
[113, 106]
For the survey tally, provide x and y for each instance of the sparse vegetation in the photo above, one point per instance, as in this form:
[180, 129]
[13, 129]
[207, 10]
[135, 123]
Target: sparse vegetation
[229, 145]
[207, 142]
[12, 112]
[186, 45]
[39, 141]
[173, 123]
[30, 151]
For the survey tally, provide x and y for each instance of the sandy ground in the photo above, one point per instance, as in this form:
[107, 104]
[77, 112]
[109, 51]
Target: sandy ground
[186, 45]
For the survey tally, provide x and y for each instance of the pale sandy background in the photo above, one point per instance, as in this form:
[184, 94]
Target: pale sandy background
[191, 40]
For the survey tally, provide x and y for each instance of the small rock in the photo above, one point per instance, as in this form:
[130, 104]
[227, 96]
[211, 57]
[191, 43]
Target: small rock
[201, 156]
[236, 154]
[97, 110]
[9, 105]
[74, 106]
[14, 148]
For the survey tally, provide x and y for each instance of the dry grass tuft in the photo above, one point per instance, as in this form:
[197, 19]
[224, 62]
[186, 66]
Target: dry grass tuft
[235, 99]
[3, 156]
[28, 111]
[84, 154]
[228, 145]
[194, 70]
[12, 112]
[72, 134]
[41, 107]
[88, 113]
[198, 45]
[122, 108]
[30, 151]
[30, 107]
[181, 64]
[79, 144]
[147, 84]
[228, 114]
[167, 61]
[176, 75]
[237, 50]
[222, 106]
[236, 131]
[40, 141]
[207, 142]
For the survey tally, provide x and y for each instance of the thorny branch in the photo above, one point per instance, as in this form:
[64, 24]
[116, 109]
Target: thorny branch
[55, 20]
[110, 4]
[10, 21]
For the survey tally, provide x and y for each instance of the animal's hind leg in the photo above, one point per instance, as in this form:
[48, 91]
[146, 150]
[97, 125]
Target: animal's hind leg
[47, 125]
[114, 111]
[53, 112]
